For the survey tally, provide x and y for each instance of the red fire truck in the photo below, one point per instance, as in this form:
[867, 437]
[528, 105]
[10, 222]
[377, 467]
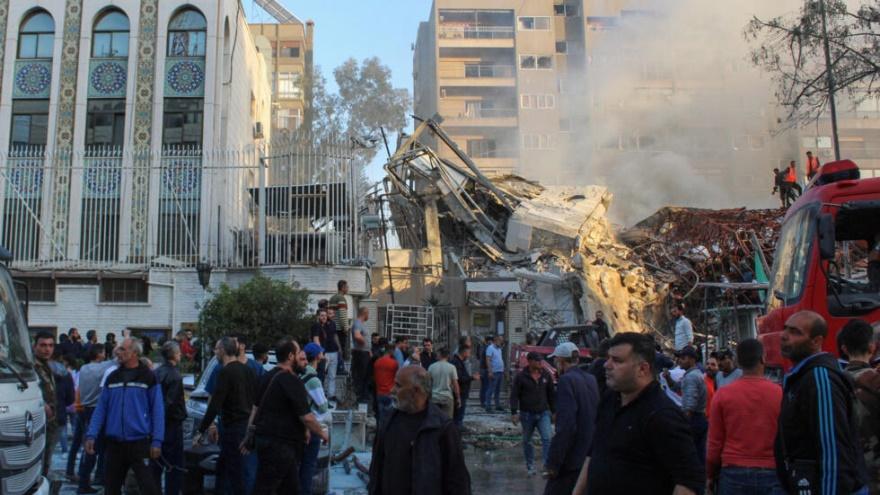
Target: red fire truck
[826, 259]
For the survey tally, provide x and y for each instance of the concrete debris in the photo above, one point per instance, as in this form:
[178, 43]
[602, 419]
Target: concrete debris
[557, 240]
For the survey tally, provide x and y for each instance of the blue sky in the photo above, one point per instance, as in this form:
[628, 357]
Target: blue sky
[359, 29]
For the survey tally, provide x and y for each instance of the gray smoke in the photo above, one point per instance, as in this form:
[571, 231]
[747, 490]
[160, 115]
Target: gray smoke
[676, 113]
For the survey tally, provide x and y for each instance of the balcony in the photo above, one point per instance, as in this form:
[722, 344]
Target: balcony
[475, 74]
[467, 36]
[479, 117]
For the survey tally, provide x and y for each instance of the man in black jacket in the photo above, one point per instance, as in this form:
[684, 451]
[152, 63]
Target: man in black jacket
[577, 401]
[531, 402]
[418, 448]
[817, 446]
[171, 381]
[461, 361]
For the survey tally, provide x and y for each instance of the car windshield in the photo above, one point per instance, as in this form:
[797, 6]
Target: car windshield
[791, 259]
[14, 349]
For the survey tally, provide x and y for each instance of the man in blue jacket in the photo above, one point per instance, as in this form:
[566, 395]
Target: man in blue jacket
[577, 401]
[131, 414]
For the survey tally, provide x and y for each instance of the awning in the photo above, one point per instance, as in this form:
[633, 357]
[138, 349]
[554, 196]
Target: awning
[495, 285]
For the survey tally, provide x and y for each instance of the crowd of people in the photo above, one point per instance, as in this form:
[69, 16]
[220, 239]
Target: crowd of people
[628, 419]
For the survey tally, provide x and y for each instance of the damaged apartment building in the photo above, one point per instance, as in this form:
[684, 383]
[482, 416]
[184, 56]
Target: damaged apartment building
[510, 256]
[504, 256]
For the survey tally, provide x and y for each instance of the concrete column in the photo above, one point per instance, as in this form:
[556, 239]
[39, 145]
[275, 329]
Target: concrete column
[432, 232]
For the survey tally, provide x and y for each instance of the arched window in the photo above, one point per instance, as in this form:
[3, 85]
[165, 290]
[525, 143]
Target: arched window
[187, 34]
[36, 37]
[110, 37]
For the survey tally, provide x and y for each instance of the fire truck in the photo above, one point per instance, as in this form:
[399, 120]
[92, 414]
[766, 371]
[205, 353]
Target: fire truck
[827, 259]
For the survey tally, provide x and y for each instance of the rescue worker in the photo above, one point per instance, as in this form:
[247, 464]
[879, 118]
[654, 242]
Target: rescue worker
[812, 165]
[791, 180]
[782, 187]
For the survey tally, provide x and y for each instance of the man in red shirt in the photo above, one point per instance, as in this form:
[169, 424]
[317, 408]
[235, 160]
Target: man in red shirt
[384, 371]
[742, 428]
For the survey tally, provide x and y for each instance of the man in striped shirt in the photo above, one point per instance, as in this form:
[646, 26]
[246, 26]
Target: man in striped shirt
[307, 364]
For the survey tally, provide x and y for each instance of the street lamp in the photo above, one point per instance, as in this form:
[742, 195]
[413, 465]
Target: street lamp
[203, 269]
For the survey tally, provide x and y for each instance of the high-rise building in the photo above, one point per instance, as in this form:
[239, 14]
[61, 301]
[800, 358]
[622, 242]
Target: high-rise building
[290, 67]
[662, 106]
[492, 70]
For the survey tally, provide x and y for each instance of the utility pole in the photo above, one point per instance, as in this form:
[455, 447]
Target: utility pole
[829, 75]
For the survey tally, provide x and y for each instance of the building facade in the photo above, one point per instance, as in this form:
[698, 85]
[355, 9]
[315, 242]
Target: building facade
[134, 151]
[290, 65]
[610, 92]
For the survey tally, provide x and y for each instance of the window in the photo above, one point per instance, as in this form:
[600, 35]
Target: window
[534, 23]
[565, 10]
[187, 33]
[30, 123]
[792, 258]
[482, 148]
[290, 85]
[538, 141]
[124, 290]
[38, 289]
[561, 47]
[535, 62]
[289, 118]
[289, 49]
[105, 123]
[36, 38]
[183, 121]
[538, 102]
[110, 38]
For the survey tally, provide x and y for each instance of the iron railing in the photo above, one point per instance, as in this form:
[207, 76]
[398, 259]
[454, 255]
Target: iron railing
[476, 32]
[289, 203]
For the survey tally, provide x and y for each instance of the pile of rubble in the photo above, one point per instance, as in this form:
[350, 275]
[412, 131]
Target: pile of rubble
[557, 240]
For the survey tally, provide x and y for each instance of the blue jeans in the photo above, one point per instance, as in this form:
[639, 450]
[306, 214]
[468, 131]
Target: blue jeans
[484, 387]
[172, 459]
[530, 421]
[699, 429]
[78, 432]
[87, 461]
[494, 390]
[309, 465]
[748, 481]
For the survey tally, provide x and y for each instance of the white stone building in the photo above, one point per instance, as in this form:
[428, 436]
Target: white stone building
[132, 148]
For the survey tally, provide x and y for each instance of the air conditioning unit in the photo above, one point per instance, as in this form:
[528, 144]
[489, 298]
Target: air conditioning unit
[258, 130]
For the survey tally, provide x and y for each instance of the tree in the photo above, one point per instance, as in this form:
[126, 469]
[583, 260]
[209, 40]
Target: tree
[366, 101]
[262, 309]
[791, 49]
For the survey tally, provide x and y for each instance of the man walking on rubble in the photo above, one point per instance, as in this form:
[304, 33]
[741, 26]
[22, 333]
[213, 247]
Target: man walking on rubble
[684, 330]
[417, 448]
[577, 400]
[531, 403]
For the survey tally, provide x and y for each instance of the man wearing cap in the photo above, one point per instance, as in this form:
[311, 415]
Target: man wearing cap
[577, 400]
[531, 403]
[319, 406]
[693, 398]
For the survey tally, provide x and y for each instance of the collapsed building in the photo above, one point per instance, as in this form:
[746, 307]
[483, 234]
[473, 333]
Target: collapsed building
[507, 255]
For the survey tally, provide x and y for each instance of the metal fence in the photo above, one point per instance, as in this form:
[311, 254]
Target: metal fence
[412, 322]
[288, 203]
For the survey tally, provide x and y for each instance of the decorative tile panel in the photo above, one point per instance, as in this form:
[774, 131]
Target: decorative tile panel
[4, 18]
[185, 77]
[108, 78]
[64, 122]
[143, 127]
[32, 79]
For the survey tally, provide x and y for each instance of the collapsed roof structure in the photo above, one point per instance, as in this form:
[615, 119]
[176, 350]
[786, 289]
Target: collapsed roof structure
[558, 243]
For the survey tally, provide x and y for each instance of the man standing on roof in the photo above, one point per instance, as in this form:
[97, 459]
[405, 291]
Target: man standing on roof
[813, 165]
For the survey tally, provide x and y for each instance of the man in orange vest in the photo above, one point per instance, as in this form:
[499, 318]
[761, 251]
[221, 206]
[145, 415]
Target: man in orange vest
[791, 179]
[812, 165]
